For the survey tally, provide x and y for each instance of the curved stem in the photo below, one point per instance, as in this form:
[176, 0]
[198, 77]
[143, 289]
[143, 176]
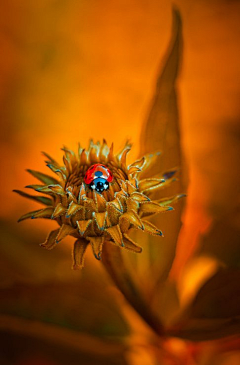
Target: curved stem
[114, 264]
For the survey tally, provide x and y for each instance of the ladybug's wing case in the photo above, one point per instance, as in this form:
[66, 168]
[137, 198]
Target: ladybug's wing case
[106, 173]
[89, 176]
[91, 173]
[103, 170]
[110, 176]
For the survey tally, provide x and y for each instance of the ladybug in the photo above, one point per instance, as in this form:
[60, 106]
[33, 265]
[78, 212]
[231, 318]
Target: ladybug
[98, 177]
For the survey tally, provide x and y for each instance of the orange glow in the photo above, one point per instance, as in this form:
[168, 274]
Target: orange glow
[75, 70]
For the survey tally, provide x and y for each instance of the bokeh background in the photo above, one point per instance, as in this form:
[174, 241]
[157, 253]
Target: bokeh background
[75, 70]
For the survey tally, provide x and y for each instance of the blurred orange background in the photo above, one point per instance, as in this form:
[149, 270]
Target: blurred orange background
[75, 70]
[71, 71]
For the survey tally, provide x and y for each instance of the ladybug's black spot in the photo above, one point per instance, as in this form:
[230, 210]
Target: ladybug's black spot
[99, 186]
[98, 173]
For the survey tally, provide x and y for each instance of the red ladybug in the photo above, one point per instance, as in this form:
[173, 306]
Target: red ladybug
[98, 177]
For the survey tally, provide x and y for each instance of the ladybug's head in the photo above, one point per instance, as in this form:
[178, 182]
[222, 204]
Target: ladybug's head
[99, 185]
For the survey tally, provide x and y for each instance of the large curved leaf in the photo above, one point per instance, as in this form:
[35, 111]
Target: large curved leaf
[161, 132]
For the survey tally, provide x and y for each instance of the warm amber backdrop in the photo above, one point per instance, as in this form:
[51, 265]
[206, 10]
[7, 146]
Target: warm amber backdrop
[74, 70]
[80, 69]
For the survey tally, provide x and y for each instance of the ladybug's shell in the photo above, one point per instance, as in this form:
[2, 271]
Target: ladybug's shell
[91, 173]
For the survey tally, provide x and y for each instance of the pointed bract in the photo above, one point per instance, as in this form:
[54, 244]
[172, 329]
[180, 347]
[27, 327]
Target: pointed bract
[93, 155]
[137, 164]
[150, 228]
[133, 219]
[39, 199]
[104, 152]
[28, 215]
[57, 189]
[50, 242]
[40, 188]
[79, 250]
[153, 207]
[83, 225]
[84, 158]
[73, 209]
[111, 156]
[50, 159]
[147, 185]
[130, 188]
[64, 231]
[82, 193]
[100, 202]
[116, 235]
[170, 173]
[130, 245]
[58, 211]
[97, 244]
[123, 157]
[133, 170]
[46, 179]
[43, 213]
[139, 197]
[100, 219]
[170, 200]
[59, 171]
